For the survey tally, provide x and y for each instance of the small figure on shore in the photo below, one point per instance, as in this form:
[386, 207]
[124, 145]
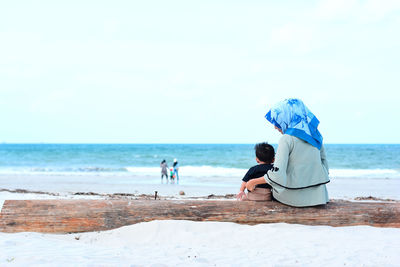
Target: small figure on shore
[265, 155]
[171, 174]
[176, 168]
[164, 170]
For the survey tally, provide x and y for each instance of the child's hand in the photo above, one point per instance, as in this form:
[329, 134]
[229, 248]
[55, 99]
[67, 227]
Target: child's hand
[241, 196]
[250, 185]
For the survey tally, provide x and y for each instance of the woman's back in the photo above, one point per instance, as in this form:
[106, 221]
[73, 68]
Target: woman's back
[305, 165]
[299, 167]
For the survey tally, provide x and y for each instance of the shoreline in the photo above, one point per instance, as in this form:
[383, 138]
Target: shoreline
[21, 193]
[56, 186]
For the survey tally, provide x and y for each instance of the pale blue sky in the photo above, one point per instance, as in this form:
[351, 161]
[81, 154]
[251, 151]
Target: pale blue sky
[196, 71]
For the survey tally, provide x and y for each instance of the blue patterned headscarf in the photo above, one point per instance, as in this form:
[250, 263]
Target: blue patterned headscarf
[294, 118]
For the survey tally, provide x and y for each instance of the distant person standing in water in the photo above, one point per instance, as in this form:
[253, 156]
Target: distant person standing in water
[164, 169]
[176, 168]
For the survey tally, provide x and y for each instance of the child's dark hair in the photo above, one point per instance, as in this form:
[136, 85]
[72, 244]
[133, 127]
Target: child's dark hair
[265, 152]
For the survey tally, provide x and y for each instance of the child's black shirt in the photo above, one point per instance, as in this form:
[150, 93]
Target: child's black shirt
[256, 172]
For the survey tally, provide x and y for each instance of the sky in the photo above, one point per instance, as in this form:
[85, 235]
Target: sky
[196, 71]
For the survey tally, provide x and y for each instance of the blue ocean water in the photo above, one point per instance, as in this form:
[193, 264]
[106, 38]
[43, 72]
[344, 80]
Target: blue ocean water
[380, 160]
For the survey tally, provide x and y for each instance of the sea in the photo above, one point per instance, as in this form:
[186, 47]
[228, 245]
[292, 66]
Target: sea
[197, 161]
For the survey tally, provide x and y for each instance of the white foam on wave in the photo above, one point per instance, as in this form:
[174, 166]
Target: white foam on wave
[62, 173]
[194, 171]
[209, 171]
[190, 171]
[144, 170]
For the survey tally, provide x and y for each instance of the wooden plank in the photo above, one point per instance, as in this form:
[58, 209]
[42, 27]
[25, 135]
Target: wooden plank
[68, 216]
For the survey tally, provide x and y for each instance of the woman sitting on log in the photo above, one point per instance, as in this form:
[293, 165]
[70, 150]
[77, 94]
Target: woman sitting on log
[300, 170]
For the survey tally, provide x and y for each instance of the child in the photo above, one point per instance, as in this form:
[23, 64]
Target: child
[172, 175]
[265, 155]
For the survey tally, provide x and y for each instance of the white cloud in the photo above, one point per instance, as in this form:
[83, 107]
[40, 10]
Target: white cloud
[335, 9]
[374, 10]
[53, 102]
[353, 10]
[300, 38]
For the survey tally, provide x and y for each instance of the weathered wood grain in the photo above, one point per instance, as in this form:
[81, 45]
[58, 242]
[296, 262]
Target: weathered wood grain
[65, 216]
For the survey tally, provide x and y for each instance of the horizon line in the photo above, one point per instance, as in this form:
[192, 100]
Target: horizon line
[212, 143]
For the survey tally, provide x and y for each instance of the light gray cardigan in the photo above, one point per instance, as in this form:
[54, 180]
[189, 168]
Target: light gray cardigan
[300, 173]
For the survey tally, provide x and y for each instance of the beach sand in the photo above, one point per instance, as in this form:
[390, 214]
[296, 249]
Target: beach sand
[187, 243]
[67, 186]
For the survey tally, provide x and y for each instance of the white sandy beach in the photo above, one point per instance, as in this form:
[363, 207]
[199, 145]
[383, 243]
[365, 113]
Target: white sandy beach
[186, 243]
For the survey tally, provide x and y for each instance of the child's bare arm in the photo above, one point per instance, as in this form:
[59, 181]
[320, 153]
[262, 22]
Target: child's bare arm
[242, 187]
[241, 195]
[250, 185]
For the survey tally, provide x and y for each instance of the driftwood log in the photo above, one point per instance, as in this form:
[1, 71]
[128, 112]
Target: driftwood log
[71, 216]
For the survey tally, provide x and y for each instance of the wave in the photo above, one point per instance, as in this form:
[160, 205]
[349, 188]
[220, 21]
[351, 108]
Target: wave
[210, 171]
[60, 170]
[195, 171]
[189, 171]
[79, 169]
